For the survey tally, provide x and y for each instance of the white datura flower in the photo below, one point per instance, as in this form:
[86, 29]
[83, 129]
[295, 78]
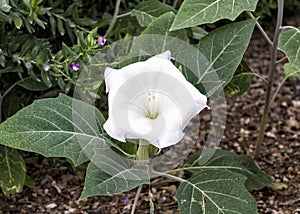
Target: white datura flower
[150, 100]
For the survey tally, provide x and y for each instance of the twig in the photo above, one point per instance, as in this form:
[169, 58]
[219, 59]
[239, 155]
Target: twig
[271, 79]
[138, 192]
[283, 59]
[278, 88]
[175, 3]
[123, 15]
[114, 18]
[265, 35]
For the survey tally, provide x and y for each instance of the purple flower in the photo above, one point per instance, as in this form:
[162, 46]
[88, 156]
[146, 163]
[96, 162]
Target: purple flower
[101, 40]
[74, 66]
[127, 200]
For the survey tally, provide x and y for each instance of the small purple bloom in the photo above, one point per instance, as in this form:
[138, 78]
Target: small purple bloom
[127, 200]
[101, 40]
[74, 66]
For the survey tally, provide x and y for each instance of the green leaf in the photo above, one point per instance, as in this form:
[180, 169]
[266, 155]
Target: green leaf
[215, 191]
[67, 51]
[4, 5]
[56, 127]
[46, 78]
[148, 10]
[32, 85]
[220, 53]
[291, 70]
[13, 171]
[289, 43]
[17, 20]
[240, 82]
[52, 24]
[198, 33]
[60, 27]
[156, 39]
[197, 12]
[162, 25]
[2, 60]
[221, 159]
[110, 173]
[143, 18]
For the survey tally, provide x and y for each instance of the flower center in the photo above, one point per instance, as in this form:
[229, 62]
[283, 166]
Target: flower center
[152, 111]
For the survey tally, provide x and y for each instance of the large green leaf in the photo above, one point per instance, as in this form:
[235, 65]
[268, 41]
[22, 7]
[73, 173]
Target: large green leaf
[221, 159]
[240, 82]
[110, 173]
[162, 25]
[197, 12]
[215, 191]
[157, 38]
[13, 171]
[148, 10]
[56, 127]
[289, 43]
[219, 55]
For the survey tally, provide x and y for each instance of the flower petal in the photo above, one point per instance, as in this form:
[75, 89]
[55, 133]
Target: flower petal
[151, 100]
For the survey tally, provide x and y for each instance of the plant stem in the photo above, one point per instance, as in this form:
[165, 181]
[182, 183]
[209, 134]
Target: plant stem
[136, 198]
[175, 3]
[143, 150]
[271, 79]
[114, 18]
[265, 35]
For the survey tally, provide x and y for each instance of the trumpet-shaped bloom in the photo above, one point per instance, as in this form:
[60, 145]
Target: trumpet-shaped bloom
[150, 100]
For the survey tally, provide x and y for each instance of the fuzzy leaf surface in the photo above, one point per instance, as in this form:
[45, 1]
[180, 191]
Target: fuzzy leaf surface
[197, 12]
[110, 173]
[289, 43]
[56, 127]
[215, 191]
[13, 171]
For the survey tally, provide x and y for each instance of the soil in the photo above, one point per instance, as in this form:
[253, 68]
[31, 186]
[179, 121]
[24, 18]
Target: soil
[58, 186]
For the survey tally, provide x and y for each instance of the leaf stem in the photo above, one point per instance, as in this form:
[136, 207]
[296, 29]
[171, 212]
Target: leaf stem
[278, 88]
[271, 79]
[136, 198]
[283, 59]
[114, 18]
[265, 35]
[123, 15]
[156, 173]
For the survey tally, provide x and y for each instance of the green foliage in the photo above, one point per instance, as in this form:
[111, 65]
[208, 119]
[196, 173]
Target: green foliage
[13, 171]
[240, 82]
[147, 11]
[162, 26]
[289, 43]
[221, 159]
[215, 191]
[110, 173]
[51, 121]
[222, 51]
[195, 12]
